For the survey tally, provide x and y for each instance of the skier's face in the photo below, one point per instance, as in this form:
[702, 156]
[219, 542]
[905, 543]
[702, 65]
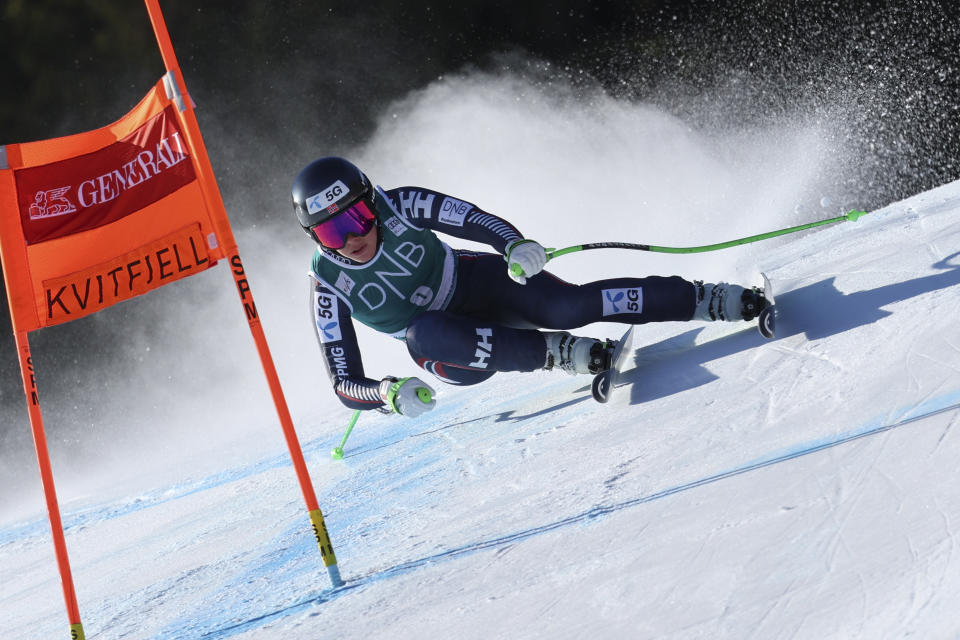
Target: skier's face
[361, 248]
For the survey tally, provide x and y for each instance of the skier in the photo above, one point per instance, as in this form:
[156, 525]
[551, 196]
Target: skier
[463, 315]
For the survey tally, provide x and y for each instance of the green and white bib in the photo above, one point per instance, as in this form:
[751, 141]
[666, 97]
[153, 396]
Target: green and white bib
[412, 272]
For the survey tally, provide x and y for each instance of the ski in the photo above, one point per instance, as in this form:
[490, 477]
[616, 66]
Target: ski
[767, 320]
[605, 381]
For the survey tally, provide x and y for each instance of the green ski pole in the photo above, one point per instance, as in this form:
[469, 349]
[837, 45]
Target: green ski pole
[555, 253]
[337, 452]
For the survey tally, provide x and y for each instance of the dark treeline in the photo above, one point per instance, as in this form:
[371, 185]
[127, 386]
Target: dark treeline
[275, 70]
[69, 63]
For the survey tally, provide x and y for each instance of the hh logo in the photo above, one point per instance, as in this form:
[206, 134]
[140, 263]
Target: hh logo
[622, 301]
[326, 311]
[484, 349]
[53, 202]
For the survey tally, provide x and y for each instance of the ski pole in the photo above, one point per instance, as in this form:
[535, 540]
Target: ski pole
[337, 452]
[555, 253]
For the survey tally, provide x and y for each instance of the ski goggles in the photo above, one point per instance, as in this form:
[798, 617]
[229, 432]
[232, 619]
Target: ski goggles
[357, 219]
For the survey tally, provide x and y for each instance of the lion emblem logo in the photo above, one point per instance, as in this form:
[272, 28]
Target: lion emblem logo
[50, 203]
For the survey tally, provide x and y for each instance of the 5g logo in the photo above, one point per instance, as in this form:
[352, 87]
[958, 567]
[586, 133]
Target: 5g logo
[622, 301]
[326, 197]
[326, 312]
[333, 193]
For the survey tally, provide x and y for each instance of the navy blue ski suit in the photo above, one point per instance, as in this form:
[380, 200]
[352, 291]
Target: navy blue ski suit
[488, 322]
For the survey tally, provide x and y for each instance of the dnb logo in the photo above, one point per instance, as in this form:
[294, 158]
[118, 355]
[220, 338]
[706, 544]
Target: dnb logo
[622, 301]
[50, 203]
[326, 311]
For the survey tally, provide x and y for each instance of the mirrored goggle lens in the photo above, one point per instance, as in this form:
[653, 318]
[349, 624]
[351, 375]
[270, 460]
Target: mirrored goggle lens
[357, 219]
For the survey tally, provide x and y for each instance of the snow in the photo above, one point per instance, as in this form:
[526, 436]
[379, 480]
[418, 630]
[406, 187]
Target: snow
[734, 487]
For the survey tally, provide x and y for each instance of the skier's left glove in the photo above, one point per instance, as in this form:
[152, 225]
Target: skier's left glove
[409, 397]
[524, 258]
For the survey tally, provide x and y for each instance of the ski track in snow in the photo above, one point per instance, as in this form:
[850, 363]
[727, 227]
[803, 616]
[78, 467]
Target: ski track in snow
[485, 476]
[502, 543]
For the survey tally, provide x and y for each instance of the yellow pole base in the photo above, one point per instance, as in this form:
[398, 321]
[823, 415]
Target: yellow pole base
[326, 547]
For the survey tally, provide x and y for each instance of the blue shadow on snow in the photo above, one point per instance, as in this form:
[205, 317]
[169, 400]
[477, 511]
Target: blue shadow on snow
[818, 310]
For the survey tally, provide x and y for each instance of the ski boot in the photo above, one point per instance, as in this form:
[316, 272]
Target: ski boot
[728, 302]
[575, 354]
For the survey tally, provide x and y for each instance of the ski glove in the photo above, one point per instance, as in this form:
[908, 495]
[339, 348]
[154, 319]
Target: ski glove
[409, 397]
[524, 258]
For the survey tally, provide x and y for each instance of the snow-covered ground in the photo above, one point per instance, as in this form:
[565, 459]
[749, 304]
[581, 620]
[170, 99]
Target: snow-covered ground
[803, 487]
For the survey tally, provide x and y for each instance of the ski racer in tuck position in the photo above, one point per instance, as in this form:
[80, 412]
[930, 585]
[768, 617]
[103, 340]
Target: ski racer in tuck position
[463, 315]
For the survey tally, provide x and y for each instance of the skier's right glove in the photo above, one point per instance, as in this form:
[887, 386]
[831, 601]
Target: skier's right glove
[524, 258]
[409, 397]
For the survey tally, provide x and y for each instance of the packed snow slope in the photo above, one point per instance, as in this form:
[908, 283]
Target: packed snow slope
[803, 487]
[735, 487]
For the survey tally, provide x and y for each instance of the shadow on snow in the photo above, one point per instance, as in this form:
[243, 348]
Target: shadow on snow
[817, 311]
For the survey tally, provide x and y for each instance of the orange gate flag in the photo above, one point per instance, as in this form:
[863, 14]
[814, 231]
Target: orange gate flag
[95, 218]
[104, 215]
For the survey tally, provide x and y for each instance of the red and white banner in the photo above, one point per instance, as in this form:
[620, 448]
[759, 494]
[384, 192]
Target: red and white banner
[95, 218]
[92, 219]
